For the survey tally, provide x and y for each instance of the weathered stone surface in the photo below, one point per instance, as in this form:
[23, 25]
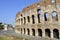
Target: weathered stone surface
[40, 25]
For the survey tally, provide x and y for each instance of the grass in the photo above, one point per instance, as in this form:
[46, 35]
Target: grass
[10, 38]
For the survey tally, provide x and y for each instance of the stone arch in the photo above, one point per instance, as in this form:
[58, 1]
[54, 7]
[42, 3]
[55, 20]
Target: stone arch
[24, 31]
[46, 16]
[21, 30]
[33, 20]
[39, 14]
[33, 32]
[38, 18]
[28, 31]
[47, 32]
[24, 20]
[21, 15]
[39, 11]
[56, 33]
[28, 18]
[39, 32]
[54, 16]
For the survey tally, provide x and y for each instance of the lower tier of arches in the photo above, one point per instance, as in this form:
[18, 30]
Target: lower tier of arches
[41, 32]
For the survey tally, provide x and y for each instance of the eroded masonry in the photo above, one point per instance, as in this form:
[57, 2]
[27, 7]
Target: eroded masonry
[40, 19]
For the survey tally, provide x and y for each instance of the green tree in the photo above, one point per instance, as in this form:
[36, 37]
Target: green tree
[1, 26]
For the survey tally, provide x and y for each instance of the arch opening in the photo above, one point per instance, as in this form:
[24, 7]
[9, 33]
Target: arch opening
[33, 32]
[39, 11]
[39, 32]
[33, 20]
[28, 18]
[46, 16]
[47, 32]
[28, 31]
[56, 33]
[54, 16]
[21, 15]
[38, 18]
[24, 20]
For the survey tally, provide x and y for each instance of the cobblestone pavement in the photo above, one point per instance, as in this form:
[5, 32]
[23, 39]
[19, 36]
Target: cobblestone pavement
[12, 32]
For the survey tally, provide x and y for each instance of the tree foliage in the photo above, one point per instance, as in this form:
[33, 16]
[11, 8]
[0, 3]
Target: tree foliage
[1, 26]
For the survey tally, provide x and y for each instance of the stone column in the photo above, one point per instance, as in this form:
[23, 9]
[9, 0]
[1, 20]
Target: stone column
[30, 31]
[30, 20]
[43, 33]
[23, 20]
[26, 31]
[36, 19]
[26, 20]
[17, 22]
[20, 21]
[51, 33]
[59, 18]
[22, 31]
[36, 32]
[50, 17]
[42, 19]
[59, 34]
[19, 29]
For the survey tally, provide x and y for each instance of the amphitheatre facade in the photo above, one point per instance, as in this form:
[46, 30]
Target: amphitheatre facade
[40, 19]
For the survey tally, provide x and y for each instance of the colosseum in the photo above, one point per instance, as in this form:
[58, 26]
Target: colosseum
[41, 19]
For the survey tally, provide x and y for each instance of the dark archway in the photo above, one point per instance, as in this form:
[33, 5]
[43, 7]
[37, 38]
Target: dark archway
[24, 31]
[28, 31]
[21, 30]
[39, 32]
[33, 32]
[39, 11]
[46, 16]
[47, 32]
[38, 18]
[39, 14]
[33, 19]
[28, 18]
[21, 15]
[56, 33]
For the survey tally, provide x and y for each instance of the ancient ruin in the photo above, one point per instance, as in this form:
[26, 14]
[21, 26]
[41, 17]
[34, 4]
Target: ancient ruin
[40, 19]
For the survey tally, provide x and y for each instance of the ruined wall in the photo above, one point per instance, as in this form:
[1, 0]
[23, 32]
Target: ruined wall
[40, 19]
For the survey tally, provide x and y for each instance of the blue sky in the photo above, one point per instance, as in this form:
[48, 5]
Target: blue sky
[9, 9]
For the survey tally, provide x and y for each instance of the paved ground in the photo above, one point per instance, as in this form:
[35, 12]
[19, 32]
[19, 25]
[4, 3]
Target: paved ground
[11, 32]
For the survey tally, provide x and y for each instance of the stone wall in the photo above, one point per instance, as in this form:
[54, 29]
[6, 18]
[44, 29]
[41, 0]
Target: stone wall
[40, 19]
